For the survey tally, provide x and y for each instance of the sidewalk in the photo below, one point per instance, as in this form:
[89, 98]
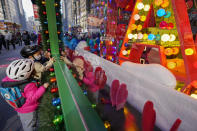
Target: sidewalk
[9, 120]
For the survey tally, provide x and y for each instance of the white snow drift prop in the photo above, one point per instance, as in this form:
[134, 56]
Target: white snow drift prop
[150, 82]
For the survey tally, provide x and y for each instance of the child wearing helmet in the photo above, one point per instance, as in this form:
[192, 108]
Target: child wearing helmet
[41, 63]
[19, 75]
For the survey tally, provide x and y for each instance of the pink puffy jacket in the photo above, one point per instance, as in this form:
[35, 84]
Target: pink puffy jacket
[32, 93]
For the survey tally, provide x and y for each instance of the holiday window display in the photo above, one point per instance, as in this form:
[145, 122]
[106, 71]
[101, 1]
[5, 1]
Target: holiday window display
[155, 28]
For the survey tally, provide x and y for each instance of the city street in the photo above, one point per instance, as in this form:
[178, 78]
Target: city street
[8, 117]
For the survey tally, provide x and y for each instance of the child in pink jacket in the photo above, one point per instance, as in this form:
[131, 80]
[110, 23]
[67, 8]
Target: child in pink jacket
[18, 75]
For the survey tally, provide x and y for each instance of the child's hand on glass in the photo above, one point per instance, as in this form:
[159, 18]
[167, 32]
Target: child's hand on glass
[46, 85]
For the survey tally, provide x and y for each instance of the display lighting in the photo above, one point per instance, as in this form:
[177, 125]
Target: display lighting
[136, 17]
[172, 37]
[175, 50]
[46, 31]
[158, 37]
[194, 96]
[140, 36]
[145, 36]
[107, 125]
[124, 52]
[168, 14]
[170, 26]
[165, 37]
[146, 7]
[133, 26]
[168, 51]
[140, 6]
[161, 12]
[56, 4]
[165, 4]
[135, 36]
[126, 45]
[189, 51]
[139, 27]
[43, 2]
[163, 25]
[129, 51]
[151, 36]
[158, 2]
[143, 18]
[130, 36]
[171, 65]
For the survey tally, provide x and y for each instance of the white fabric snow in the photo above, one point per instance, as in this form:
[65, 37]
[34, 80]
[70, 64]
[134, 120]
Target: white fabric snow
[150, 82]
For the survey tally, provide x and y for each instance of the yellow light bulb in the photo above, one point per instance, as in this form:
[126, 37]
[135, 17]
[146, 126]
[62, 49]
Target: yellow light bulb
[145, 36]
[143, 18]
[43, 2]
[171, 65]
[189, 51]
[139, 27]
[133, 26]
[107, 124]
[129, 51]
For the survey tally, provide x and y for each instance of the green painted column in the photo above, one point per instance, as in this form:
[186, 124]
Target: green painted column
[52, 27]
[77, 111]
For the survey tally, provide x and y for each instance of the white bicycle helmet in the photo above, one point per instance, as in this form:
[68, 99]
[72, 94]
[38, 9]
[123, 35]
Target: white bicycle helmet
[20, 69]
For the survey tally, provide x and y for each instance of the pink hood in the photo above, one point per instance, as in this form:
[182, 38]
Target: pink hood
[32, 94]
[7, 79]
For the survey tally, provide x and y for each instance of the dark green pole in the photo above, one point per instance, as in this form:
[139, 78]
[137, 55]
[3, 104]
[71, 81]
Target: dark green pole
[52, 27]
[77, 111]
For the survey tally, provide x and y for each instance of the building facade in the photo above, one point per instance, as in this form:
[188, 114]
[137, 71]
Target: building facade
[22, 15]
[83, 15]
[12, 15]
[66, 15]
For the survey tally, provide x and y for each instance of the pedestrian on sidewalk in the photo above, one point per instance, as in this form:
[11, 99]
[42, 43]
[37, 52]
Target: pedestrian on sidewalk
[2, 41]
[7, 38]
[19, 38]
[26, 38]
[13, 40]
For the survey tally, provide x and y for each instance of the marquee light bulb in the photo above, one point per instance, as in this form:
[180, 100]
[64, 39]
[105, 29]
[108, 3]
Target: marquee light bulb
[124, 52]
[151, 36]
[172, 37]
[140, 6]
[161, 12]
[145, 36]
[135, 36]
[140, 36]
[165, 37]
[146, 7]
[165, 4]
[143, 18]
[171, 65]
[189, 51]
[168, 51]
[136, 17]
[139, 27]
[158, 2]
[130, 36]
